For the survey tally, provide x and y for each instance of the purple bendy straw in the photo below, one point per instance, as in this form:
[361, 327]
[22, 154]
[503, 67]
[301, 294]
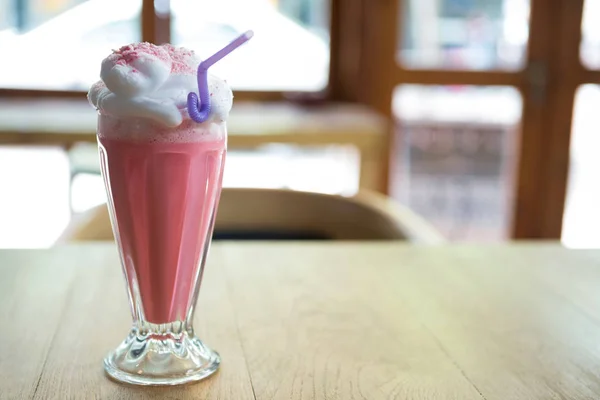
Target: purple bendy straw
[201, 114]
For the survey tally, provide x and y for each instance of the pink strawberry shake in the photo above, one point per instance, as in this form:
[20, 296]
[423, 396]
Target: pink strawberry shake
[162, 171]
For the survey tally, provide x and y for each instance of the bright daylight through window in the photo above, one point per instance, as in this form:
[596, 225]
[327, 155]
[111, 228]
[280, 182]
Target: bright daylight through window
[289, 52]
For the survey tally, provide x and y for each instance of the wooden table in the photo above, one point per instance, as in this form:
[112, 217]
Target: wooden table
[251, 125]
[322, 321]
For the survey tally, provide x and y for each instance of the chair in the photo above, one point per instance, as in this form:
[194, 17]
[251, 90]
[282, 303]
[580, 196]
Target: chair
[270, 214]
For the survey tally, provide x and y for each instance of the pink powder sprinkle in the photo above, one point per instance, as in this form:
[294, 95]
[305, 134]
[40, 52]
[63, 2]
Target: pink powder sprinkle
[131, 52]
[98, 86]
[182, 59]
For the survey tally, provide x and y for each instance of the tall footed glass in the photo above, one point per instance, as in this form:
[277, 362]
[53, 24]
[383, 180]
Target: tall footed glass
[163, 187]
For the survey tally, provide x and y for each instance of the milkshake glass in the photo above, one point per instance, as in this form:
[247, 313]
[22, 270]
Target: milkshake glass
[162, 152]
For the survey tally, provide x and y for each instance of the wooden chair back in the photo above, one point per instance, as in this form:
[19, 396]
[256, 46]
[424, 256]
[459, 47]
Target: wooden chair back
[285, 214]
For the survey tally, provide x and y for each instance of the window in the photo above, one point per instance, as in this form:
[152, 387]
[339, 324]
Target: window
[454, 157]
[463, 34]
[581, 221]
[590, 35]
[58, 44]
[290, 49]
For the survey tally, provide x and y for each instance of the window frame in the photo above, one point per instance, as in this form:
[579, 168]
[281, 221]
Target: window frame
[552, 65]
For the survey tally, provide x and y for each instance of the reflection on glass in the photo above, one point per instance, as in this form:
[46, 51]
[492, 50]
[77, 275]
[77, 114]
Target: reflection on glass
[290, 49]
[454, 157]
[581, 220]
[590, 35]
[59, 44]
[463, 34]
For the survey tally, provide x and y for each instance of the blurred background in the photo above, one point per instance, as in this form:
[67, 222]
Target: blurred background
[479, 115]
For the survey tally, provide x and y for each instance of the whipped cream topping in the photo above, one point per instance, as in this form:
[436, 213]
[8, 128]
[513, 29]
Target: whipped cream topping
[144, 80]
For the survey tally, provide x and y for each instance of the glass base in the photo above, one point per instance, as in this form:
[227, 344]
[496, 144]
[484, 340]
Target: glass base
[161, 357]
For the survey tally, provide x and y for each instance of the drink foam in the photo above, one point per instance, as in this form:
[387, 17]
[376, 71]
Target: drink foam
[149, 131]
[146, 81]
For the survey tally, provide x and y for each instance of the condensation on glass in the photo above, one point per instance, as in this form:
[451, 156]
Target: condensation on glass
[454, 157]
[463, 34]
[581, 219]
[290, 50]
[590, 35]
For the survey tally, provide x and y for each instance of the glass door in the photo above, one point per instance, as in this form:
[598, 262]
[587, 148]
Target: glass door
[481, 96]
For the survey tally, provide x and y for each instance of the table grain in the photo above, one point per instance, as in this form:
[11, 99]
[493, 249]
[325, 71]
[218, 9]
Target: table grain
[321, 321]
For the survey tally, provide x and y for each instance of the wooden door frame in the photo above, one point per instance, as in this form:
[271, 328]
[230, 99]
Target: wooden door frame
[544, 152]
